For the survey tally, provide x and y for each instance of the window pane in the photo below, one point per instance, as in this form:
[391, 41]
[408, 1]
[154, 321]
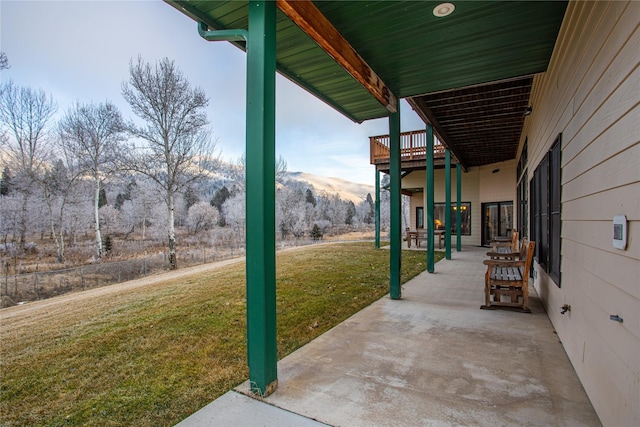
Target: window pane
[555, 201]
[544, 214]
[465, 217]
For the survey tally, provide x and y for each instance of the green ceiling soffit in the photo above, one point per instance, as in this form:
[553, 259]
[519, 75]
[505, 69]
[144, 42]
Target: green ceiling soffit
[411, 50]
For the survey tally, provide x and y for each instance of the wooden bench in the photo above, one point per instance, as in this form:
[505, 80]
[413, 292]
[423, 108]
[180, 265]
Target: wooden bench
[509, 277]
[510, 252]
[502, 245]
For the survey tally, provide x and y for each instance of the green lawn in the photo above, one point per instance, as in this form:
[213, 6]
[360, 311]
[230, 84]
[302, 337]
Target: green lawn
[154, 355]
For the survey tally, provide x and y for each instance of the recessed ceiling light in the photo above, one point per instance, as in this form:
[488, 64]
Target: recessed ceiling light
[443, 9]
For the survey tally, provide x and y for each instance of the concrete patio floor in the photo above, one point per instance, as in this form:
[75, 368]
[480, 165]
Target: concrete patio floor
[432, 358]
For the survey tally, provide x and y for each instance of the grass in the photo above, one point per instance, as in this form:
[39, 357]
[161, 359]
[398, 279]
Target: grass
[152, 356]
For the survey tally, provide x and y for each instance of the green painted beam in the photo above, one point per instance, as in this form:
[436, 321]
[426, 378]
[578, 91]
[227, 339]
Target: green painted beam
[429, 189]
[260, 198]
[395, 167]
[377, 212]
[447, 203]
[458, 207]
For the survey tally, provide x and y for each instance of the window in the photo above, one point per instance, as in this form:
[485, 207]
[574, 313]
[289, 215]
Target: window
[522, 195]
[555, 203]
[546, 201]
[419, 217]
[465, 217]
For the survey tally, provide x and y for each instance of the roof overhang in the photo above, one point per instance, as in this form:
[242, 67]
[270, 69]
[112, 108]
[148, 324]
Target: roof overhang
[430, 60]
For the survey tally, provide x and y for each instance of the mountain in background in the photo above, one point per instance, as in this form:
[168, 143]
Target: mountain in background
[347, 190]
[227, 174]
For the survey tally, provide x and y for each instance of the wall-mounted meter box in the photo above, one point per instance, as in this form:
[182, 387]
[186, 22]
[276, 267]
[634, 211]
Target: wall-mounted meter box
[620, 232]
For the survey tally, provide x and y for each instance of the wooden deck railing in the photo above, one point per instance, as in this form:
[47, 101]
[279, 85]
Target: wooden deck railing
[412, 147]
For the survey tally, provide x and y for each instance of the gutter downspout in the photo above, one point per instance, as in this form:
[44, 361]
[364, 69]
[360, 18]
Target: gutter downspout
[222, 35]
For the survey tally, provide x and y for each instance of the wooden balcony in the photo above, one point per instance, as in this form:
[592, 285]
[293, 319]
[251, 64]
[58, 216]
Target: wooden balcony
[413, 148]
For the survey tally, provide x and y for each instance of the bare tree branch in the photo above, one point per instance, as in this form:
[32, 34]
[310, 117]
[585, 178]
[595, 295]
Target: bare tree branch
[25, 114]
[93, 134]
[176, 141]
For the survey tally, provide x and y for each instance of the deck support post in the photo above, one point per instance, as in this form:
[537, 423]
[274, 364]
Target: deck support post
[377, 209]
[429, 189]
[458, 207]
[447, 203]
[260, 199]
[395, 206]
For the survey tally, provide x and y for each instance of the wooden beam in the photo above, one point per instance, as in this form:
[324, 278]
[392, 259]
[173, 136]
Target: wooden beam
[425, 113]
[310, 20]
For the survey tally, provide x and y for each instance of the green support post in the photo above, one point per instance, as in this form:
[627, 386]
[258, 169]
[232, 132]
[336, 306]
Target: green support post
[260, 199]
[430, 202]
[377, 211]
[396, 206]
[458, 207]
[447, 203]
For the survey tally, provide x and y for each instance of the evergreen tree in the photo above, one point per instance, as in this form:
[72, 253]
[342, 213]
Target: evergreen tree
[190, 198]
[123, 197]
[108, 245]
[102, 198]
[371, 213]
[218, 200]
[220, 197]
[316, 233]
[351, 212]
[310, 198]
[5, 181]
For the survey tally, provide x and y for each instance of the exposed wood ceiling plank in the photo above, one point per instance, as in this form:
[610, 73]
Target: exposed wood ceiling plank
[427, 116]
[310, 20]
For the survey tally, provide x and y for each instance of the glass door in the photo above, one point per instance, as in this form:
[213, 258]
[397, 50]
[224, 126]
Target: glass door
[497, 221]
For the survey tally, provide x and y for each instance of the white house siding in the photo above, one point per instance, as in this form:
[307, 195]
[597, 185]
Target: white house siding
[591, 94]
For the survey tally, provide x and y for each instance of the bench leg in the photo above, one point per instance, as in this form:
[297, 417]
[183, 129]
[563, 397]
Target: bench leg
[487, 290]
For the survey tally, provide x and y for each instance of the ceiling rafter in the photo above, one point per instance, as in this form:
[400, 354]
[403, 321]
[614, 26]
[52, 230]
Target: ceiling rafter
[310, 20]
[425, 113]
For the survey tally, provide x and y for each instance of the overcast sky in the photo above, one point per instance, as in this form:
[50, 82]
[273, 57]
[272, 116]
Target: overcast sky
[80, 50]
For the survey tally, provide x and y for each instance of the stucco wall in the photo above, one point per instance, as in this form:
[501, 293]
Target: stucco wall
[591, 94]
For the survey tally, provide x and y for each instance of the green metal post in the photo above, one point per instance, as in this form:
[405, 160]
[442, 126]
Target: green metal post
[377, 212]
[458, 207]
[260, 198]
[395, 206]
[430, 202]
[447, 203]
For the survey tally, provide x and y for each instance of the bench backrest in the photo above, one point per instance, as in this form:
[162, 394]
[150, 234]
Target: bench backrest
[514, 241]
[523, 249]
[526, 254]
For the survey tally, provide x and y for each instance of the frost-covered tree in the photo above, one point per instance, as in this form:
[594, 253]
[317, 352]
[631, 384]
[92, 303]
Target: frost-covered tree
[59, 185]
[176, 144]
[234, 212]
[111, 218]
[25, 117]
[4, 61]
[9, 216]
[238, 171]
[93, 133]
[290, 212]
[201, 217]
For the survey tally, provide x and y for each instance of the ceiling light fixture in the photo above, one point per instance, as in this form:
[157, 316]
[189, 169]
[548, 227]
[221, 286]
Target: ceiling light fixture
[443, 9]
